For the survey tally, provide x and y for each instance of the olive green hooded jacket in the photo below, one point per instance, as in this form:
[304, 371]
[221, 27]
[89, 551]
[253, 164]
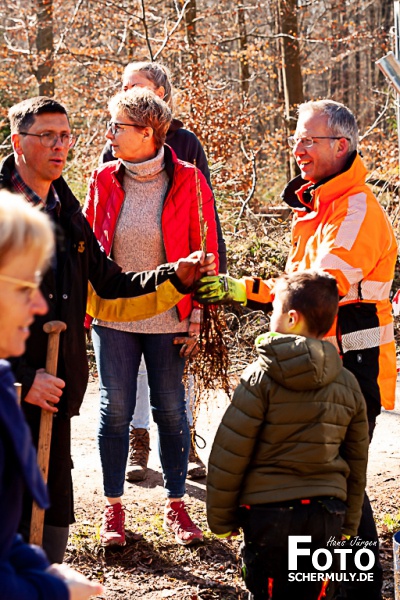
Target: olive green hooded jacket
[296, 428]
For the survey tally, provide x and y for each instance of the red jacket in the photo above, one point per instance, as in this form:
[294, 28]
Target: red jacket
[180, 216]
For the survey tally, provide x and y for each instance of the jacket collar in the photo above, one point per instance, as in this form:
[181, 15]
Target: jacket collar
[298, 193]
[175, 125]
[69, 204]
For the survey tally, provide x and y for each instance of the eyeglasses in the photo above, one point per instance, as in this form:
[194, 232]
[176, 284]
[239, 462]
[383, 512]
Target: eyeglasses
[307, 142]
[32, 286]
[116, 127]
[48, 139]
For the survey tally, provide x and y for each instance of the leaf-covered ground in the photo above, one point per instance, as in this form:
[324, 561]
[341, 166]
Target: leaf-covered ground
[151, 565]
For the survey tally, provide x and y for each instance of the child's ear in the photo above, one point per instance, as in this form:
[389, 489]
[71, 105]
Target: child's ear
[293, 319]
[297, 323]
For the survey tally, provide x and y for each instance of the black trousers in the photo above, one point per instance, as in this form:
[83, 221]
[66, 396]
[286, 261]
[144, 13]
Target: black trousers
[265, 553]
[364, 364]
[364, 590]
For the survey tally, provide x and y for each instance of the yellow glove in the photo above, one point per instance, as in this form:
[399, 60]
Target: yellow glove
[220, 289]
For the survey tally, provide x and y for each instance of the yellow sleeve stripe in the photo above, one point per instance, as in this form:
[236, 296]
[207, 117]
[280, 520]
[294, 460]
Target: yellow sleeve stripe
[133, 309]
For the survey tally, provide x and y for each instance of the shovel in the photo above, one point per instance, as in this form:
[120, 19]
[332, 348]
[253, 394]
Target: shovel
[53, 329]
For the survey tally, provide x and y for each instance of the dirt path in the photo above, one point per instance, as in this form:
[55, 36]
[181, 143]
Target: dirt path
[208, 574]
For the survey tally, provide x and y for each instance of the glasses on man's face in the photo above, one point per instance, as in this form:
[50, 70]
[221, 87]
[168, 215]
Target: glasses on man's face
[115, 127]
[49, 139]
[26, 287]
[307, 142]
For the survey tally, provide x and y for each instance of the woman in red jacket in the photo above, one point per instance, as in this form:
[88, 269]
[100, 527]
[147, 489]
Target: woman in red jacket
[144, 211]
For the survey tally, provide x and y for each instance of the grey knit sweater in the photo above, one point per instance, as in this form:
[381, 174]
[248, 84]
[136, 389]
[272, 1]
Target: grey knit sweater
[138, 242]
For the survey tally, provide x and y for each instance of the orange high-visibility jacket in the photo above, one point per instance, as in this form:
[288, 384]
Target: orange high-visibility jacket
[347, 233]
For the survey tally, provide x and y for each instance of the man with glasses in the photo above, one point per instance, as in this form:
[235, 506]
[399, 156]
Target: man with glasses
[339, 226]
[41, 138]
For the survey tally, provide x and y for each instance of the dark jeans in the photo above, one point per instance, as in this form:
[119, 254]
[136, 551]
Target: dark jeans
[265, 553]
[118, 356]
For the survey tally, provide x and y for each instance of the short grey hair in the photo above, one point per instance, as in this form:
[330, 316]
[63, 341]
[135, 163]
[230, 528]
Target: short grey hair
[146, 109]
[341, 120]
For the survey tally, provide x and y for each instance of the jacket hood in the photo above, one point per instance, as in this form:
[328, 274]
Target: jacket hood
[174, 126]
[297, 362]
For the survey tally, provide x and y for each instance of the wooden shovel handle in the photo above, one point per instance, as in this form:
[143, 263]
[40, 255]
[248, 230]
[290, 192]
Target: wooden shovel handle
[53, 328]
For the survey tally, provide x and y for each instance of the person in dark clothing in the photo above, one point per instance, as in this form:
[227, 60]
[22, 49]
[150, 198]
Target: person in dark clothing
[157, 77]
[290, 455]
[41, 137]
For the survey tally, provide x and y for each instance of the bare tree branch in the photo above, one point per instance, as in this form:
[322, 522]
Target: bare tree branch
[174, 28]
[13, 48]
[146, 31]
[68, 27]
[377, 120]
[245, 203]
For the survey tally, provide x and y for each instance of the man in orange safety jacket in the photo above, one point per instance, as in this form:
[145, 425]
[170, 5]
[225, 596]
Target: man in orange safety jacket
[340, 227]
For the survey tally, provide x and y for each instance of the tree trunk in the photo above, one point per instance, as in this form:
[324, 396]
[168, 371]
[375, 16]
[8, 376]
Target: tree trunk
[190, 29]
[243, 58]
[291, 70]
[44, 45]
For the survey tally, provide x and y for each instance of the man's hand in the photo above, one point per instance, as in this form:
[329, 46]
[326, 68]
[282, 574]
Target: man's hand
[190, 346]
[45, 388]
[79, 587]
[221, 289]
[191, 268]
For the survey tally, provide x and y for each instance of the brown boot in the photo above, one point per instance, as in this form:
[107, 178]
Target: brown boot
[139, 442]
[196, 467]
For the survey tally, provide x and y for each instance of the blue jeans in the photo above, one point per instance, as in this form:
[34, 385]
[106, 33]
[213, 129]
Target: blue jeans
[118, 355]
[141, 416]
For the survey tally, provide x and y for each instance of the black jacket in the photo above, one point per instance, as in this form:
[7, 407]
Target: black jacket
[80, 259]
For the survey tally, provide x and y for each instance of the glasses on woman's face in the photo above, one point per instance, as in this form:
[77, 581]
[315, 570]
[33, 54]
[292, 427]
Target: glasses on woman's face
[115, 127]
[49, 139]
[26, 287]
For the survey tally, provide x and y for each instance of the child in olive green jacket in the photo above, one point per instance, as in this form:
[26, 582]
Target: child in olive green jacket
[290, 455]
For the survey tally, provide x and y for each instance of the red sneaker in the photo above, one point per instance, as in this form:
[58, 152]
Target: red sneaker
[112, 532]
[177, 520]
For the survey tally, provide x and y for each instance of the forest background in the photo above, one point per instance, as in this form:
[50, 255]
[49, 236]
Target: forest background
[239, 68]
